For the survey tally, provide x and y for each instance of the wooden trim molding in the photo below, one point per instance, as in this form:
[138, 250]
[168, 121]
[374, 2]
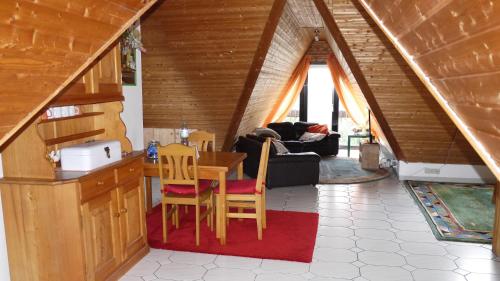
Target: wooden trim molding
[253, 73]
[358, 75]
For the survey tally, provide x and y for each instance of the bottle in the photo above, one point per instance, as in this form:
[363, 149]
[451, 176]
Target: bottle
[184, 134]
[152, 149]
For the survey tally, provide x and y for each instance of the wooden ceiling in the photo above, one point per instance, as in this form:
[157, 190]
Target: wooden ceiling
[289, 44]
[455, 46]
[420, 129]
[306, 13]
[199, 58]
[46, 44]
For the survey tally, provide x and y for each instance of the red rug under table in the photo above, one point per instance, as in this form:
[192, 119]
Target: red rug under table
[289, 236]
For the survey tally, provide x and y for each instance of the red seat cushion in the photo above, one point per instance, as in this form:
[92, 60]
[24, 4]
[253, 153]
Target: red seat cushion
[246, 186]
[187, 189]
[322, 129]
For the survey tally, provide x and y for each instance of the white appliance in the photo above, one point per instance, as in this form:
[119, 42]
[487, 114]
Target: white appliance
[90, 155]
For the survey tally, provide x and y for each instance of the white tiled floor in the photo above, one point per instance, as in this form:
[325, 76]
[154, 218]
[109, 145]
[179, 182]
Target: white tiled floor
[372, 231]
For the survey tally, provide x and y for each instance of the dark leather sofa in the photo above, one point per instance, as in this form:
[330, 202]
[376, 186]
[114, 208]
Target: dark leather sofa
[290, 134]
[283, 169]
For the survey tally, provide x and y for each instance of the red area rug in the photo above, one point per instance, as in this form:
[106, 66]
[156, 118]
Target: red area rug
[289, 236]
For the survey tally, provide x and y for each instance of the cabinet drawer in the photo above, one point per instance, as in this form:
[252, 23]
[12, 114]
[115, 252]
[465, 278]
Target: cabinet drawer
[96, 184]
[131, 171]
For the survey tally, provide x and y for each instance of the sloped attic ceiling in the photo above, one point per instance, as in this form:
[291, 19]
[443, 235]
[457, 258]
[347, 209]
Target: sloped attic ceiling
[46, 44]
[420, 129]
[455, 48]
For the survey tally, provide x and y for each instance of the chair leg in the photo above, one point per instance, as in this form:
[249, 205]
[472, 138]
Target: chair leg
[197, 223]
[164, 221]
[258, 213]
[218, 216]
[173, 216]
[176, 217]
[240, 210]
[264, 219]
[208, 207]
[211, 214]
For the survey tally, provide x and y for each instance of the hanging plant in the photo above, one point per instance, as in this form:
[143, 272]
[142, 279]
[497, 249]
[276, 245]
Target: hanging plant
[131, 39]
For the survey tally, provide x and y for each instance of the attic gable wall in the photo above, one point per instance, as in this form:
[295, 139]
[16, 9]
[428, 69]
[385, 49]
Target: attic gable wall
[422, 129]
[44, 45]
[199, 54]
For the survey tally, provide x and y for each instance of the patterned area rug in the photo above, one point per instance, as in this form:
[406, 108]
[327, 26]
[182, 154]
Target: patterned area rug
[339, 170]
[456, 212]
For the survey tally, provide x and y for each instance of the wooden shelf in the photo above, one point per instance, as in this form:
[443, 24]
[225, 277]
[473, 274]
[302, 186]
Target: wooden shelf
[83, 115]
[74, 137]
[87, 99]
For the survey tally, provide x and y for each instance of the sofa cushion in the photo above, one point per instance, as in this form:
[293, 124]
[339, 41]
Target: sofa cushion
[267, 132]
[301, 127]
[322, 129]
[312, 137]
[280, 147]
[285, 129]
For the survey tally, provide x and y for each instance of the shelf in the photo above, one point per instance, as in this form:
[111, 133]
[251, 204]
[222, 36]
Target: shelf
[83, 99]
[74, 137]
[83, 115]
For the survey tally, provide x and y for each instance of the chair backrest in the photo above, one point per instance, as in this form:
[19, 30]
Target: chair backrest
[202, 140]
[264, 159]
[182, 165]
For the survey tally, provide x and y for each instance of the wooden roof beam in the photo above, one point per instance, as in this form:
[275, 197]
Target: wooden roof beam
[253, 73]
[334, 30]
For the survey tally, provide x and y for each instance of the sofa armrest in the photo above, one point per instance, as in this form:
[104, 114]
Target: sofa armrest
[295, 157]
[293, 169]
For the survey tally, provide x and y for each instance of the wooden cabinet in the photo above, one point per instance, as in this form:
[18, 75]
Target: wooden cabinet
[96, 220]
[101, 230]
[74, 225]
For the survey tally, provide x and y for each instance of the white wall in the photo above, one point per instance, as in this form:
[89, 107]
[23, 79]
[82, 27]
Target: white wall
[4, 263]
[445, 172]
[132, 109]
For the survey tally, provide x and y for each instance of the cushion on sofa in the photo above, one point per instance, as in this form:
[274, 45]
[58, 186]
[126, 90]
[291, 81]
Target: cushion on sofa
[322, 129]
[267, 132]
[312, 136]
[284, 129]
[280, 147]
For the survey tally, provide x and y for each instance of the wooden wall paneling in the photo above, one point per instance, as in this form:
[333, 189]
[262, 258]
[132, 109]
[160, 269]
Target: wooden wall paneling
[453, 47]
[405, 102]
[47, 44]
[342, 44]
[319, 51]
[253, 74]
[306, 13]
[289, 44]
[199, 56]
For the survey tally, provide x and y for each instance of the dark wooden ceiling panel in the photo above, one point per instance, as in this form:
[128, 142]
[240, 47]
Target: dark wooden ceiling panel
[44, 45]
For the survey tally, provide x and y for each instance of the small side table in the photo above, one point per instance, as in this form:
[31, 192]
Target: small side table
[355, 136]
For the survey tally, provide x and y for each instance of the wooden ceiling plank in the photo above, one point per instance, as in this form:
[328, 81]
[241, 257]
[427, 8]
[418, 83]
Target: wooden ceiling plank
[358, 74]
[253, 74]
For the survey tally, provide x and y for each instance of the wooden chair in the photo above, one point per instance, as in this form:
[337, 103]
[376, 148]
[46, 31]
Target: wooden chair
[248, 194]
[182, 187]
[202, 140]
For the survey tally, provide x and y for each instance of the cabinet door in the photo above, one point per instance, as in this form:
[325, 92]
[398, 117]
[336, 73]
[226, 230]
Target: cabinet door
[132, 217]
[102, 242]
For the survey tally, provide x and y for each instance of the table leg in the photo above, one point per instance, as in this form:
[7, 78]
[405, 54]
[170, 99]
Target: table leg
[222, 200]
[348, 146]
[240, 171]
[149, 196]
[217, 216]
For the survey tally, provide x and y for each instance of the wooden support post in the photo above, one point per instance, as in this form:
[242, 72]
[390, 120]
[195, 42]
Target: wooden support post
[496, 228]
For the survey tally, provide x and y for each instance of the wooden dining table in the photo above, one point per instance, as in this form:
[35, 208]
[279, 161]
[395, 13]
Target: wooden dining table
[211, 166]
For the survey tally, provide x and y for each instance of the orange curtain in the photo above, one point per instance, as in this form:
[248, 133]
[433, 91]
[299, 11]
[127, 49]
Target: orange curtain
[290, 93]
[356, 108]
